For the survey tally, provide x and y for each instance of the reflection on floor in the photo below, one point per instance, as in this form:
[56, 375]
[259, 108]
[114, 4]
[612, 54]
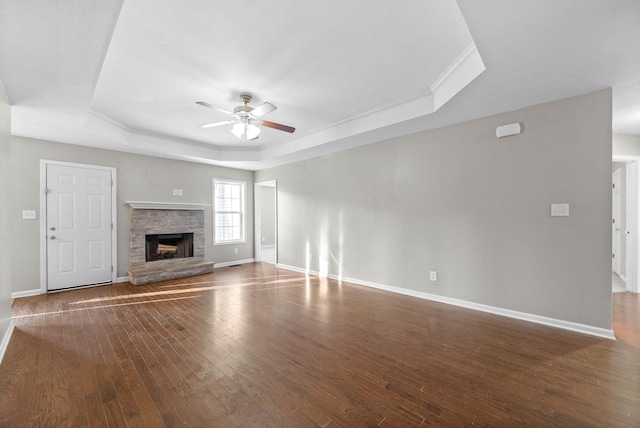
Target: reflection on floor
[618, 284]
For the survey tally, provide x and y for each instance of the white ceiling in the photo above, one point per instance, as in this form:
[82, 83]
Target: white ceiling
[125, 74]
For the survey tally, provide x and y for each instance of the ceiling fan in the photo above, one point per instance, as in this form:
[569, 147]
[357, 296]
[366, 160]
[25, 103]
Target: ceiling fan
[246, 119]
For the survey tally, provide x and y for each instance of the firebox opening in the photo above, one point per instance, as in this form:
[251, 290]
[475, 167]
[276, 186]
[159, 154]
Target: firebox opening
[168, 246]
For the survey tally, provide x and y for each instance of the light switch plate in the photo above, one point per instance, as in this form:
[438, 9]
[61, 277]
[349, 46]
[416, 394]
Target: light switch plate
[28, 214]
[559, 210]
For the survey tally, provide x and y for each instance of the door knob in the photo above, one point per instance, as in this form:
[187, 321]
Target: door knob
[52, 228]
[52, 237]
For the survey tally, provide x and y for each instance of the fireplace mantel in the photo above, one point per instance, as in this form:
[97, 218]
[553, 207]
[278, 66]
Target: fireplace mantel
[143, 205]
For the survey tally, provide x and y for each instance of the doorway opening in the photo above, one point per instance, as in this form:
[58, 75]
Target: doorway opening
[625, 224]
[266, 222]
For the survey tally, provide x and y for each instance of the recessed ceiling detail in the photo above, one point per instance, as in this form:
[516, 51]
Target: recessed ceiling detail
[125, 75]
[335, 69]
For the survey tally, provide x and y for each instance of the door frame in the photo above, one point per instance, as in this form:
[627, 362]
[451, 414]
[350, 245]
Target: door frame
[256, 217]
[43, 217]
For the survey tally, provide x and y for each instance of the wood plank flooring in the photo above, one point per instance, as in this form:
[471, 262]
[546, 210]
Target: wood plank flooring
[254, 346]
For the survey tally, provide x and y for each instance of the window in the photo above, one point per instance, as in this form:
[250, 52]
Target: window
[228, 202]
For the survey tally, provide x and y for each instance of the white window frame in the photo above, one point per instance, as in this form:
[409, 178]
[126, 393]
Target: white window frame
[242, 212]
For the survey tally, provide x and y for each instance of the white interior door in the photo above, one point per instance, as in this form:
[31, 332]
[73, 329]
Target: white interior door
[616, 222]
[78, 225]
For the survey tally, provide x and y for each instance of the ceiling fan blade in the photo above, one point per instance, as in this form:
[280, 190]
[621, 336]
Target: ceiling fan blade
[278, 126]
[214, 124]
[263, 109]
[202, 103]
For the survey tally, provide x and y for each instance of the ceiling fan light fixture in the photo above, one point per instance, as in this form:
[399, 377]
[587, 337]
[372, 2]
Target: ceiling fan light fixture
[252, 131]
[247, 130]
[238, 130]
[247, 119]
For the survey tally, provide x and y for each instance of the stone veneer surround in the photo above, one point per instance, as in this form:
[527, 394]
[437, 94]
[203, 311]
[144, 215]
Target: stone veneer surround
[158, 218]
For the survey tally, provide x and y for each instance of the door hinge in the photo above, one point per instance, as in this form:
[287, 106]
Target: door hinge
[111, 269]
[614, 256]
[111, 226]
[614, 185]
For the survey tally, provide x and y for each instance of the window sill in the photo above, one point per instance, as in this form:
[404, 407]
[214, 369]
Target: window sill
[216, 244]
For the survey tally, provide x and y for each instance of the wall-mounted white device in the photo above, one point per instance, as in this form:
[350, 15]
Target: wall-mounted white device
[559, 210]
[508, 130]
[28, 214]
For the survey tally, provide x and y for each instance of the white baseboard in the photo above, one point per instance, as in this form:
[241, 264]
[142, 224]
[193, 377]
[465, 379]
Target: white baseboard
[233, 263]
[552, 322]
[296, 269]
[5, 340]
[122, 279]
[27, 293]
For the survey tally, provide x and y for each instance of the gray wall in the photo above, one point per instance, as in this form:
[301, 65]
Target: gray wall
[5, 213]
[622, 166]
[139, 178]
[472, 207]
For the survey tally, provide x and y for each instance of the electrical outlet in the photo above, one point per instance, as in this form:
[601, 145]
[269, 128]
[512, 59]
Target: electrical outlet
[433, 275]
[235, 251]
[175, 192]
[179, 192]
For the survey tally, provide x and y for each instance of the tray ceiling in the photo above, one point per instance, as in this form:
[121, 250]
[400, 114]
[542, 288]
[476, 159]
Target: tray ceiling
[125, 75]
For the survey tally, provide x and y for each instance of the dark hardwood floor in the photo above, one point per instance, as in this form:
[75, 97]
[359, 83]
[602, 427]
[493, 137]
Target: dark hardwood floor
[256, 346]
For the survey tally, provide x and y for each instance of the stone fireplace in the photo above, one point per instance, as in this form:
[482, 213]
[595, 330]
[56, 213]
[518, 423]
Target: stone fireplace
[166, 241]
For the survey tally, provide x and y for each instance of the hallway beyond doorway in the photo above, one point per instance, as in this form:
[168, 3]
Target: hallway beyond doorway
[617, 284]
